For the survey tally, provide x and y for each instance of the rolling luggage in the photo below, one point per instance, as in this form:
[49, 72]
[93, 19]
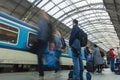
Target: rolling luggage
[90, 66]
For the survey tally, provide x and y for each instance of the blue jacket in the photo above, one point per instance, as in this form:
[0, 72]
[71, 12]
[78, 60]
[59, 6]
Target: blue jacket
[74, 42]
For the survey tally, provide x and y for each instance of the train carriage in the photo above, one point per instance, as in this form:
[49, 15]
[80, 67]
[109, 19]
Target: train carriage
[16, 37]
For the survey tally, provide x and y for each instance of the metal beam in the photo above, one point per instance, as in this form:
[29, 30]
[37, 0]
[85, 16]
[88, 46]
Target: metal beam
[16, 7]
[86, 22]
[96, 4]
[84, 15]
[68, 6]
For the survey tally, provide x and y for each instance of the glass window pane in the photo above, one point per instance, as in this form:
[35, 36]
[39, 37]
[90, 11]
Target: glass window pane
[81, 3]
[75, 1]
[71, 26]
[70, 23]
[69, 19]
[75, 16]
[63, 18]
[42, 3]
[54, 10]
[94, 1]
[31, 1]
[48, 6]
[58, 14]
[57, 1]
[8, 34]
[62, 5]
[32, 40]
[67, 9]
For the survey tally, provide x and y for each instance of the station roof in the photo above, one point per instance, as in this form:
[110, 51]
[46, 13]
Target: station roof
[92, 16]
[113, 9]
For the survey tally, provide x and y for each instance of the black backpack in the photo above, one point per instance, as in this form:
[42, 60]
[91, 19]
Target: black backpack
[82, 36]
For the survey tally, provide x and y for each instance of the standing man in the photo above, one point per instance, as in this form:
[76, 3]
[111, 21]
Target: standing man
[74, 43]
[45, 36]
[112, 58]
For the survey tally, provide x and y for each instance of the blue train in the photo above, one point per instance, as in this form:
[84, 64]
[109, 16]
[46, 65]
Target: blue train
[16, 37]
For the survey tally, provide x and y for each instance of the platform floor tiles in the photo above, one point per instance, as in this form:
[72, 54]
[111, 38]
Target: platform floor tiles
[62, 75]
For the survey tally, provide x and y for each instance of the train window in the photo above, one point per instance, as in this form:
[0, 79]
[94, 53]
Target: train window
[8, 34]
[32, 39]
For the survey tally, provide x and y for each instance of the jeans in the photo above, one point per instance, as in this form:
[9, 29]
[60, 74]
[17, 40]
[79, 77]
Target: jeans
[77, 66]
[41, 49]
[112, 65]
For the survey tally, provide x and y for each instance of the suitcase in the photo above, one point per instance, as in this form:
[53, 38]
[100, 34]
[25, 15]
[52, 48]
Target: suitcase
[90, 66]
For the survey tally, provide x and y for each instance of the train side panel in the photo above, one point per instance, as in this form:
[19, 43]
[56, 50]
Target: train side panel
[10, 56]
[21, 30]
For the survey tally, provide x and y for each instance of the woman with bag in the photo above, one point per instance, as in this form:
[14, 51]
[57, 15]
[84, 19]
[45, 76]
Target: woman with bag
[98, 61]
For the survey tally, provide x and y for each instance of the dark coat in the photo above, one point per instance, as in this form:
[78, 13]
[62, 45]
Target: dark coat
[45, 31]
[97, 56]
[74, 42]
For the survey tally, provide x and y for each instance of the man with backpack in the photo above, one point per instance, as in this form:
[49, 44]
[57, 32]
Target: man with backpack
[75, 43]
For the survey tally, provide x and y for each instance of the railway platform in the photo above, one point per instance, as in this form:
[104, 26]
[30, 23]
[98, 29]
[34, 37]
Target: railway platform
[62, 75]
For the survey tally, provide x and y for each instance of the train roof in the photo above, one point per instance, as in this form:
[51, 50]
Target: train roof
[2, 14]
